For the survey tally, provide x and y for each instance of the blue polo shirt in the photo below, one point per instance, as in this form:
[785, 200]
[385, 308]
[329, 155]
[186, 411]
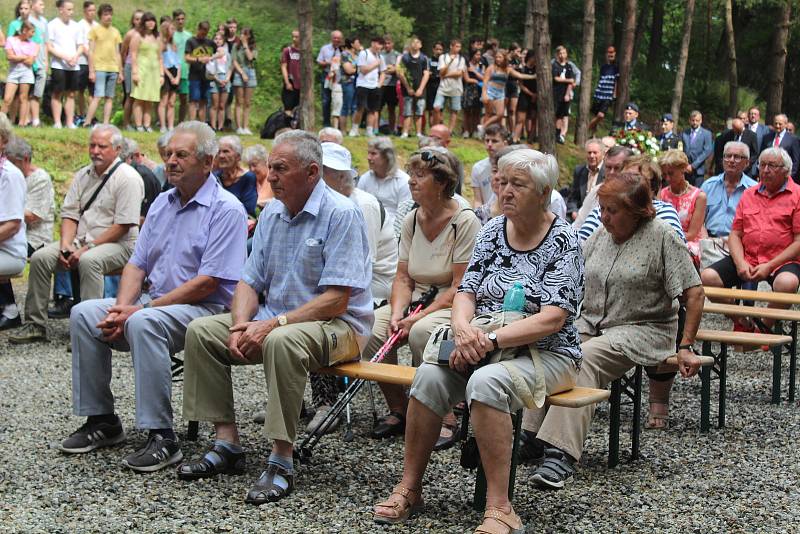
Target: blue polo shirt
[720, 207]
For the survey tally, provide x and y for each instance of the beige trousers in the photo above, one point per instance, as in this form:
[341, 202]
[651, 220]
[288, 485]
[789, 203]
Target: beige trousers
[417, 338]
[566, 428]
[288, 354]
[93, 265]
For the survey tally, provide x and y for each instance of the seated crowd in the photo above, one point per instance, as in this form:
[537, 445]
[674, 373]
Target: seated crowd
[204, 271]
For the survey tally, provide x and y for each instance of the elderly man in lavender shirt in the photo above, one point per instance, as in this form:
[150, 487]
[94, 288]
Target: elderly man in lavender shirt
[189, 255]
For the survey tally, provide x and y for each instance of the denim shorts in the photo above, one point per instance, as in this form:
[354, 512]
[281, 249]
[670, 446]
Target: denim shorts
[439, 101]
[105, 84]
[20, 75]
[198, 90]
[496, 93]
[214, 88]
[251, 78]
[413, 106]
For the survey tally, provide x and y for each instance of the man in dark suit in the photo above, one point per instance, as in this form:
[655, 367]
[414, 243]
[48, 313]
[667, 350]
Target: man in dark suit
[737, 132]
[753, 116]
[631, 115]
[586, 176]
[698, 146]
[668, 139]
[780, 137]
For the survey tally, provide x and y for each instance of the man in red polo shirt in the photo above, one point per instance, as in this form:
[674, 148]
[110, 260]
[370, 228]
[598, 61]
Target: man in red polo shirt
[765, 237]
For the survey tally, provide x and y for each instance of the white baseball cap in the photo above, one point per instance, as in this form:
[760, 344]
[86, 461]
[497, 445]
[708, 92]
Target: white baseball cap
[337, 157]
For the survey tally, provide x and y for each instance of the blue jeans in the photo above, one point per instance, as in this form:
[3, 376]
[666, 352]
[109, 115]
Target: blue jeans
[63, 285]
[348, 99]
[326, 102]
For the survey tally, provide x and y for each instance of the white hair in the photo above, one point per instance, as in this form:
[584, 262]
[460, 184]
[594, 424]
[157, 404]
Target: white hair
[737, 144]
[779, 152]
[116, 135]
[129, 147]
[233, 141]
[332, 135]
[307, 147]
[542, 169]
[255, 153]
[205, 138]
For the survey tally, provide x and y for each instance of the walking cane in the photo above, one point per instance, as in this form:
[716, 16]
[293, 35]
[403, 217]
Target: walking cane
[304, 451]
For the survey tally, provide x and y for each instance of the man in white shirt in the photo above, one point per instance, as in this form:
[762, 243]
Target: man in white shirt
[85, 24]
[495, 138]
[452, 69]
[368, 86]
[65, 43]
[37, 18]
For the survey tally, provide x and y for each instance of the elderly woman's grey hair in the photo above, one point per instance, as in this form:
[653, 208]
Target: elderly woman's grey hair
[255, 154]
[232, 141]
[163, 140]
[542, 169]
[454, 162]
[18, 148]
[385, 148]
[6, 128]
[307, 147]
[774, 151]
[739, 145]
[331, 135]
[128, 148]
[507, 150]
[205, 138]
[116, 135]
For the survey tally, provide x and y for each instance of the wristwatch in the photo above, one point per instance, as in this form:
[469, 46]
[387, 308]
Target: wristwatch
[491, 336]
[688, 347]
[283, 320]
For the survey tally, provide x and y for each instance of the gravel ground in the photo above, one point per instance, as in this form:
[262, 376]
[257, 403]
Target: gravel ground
[740, 479]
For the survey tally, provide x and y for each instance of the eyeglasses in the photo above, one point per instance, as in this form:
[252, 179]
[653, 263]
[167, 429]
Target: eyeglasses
[734, 157]
[771, 166]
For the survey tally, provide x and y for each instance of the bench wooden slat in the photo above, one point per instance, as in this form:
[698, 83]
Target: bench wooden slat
[578, 397]
[742, 338]
[747, 294]
[752, 311]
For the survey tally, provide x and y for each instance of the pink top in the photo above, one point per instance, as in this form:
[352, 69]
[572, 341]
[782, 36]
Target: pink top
[21, 48]
[684, 204]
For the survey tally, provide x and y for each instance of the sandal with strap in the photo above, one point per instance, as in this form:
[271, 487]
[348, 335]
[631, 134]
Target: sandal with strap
[657, 421]
[385, 430]
[556, 470]
[391, 513]
[503, 523]
[230, 463]
[445, 442]
[265, 490]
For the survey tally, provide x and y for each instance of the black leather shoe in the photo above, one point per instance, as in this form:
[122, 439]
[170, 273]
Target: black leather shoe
[385, 430]
[445, 442]
[6, 323]
[227, 463]
[61, 308]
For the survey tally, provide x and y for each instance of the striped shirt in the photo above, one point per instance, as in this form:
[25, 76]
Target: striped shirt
[609, 73]
[664, 211]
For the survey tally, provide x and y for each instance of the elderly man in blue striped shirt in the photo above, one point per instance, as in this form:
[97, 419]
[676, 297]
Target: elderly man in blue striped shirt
[311, 261]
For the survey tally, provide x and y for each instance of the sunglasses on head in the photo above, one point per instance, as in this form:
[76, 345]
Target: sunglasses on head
[430, 158]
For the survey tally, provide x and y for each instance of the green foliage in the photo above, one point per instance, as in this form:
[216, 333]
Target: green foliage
[367, 18]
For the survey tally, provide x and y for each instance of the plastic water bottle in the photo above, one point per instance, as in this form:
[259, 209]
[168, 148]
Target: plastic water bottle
[515, 298]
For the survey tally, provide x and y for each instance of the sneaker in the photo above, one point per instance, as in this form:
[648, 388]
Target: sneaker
[353, 132]
[561, 139]
[322, 413]
[61, 308]
[158, 453]
[239, 131]
[465, 134]
[148, 129]
[163, 129]
[57, 126]
[130, 128]
[140, 128]
[93, 436]
[247, 131]
[72, 126]
[35, 123]
[29, 333]
[404, 135]
[556, 471]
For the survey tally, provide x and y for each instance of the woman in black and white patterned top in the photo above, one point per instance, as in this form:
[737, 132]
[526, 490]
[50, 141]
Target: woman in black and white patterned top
[529, 245]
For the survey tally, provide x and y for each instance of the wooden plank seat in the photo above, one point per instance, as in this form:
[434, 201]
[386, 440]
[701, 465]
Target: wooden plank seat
[775, 297]
[726, 338]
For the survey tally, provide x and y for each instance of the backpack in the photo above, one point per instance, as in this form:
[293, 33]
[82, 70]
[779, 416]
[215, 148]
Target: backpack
[278, 121]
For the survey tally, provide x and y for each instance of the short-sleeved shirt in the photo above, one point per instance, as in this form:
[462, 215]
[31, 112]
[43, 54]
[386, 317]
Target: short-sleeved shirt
[430, 263]
[720, 208]
[632, 290]
[198, 48]
[180, 38]
[768, 224]
[119, 202]
[664, 211]
[382, 244]
[451, 86]
[291, 58]
[609, 74]
[295, 259]
[482, 178]
[244, 189]
[39, 37]
[551, 274]
[66, 38]
[391, 190]
[370, 79]
[40, 201]
[390, 58]
[328, 52]
[205, 237]
[415, 69]
[347, 57]
[562, 71]
[12, 184]
[86, 28]
[241, 58]
[20, 48]
[106, 48]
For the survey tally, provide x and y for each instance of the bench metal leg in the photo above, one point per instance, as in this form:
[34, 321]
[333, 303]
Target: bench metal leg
[479, 497]
[777, 353]
[637, 413]
[792, 361]
[192, 431]
[613, 415]
[705, 398]
[723, 383]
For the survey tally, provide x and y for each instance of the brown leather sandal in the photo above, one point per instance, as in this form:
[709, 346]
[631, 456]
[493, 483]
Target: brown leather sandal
[391, 513]
[658, 421]
[503, 523]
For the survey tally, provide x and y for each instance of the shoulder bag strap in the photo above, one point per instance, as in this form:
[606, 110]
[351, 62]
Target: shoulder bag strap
[106, 176]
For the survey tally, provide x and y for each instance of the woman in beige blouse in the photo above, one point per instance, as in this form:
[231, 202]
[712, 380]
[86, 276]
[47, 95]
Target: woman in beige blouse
[636, 270]
[436, 243]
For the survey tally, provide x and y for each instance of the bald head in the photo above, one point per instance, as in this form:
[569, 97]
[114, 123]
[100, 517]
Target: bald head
[441, 134]
[737, 125]
[337, 38]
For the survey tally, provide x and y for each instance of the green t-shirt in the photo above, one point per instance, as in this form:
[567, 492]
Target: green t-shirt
[180, 38]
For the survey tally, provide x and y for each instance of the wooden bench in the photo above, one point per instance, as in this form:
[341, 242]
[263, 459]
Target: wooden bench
[759, 313]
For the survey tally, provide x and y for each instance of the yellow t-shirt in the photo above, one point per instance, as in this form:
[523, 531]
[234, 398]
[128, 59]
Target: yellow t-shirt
[106, 41]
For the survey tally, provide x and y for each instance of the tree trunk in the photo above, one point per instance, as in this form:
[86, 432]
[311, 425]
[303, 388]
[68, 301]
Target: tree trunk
[608, 23]
[487, 15]
[733, 75]
[545, 118]
[451, 10]
[333, 14]
[586, 67]
[305, 16]
[777, 66]
[528, 39]
[462, 23]
[656, 37]
[677, 92]
[626, 58]
[707, 43]
[644, 16]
